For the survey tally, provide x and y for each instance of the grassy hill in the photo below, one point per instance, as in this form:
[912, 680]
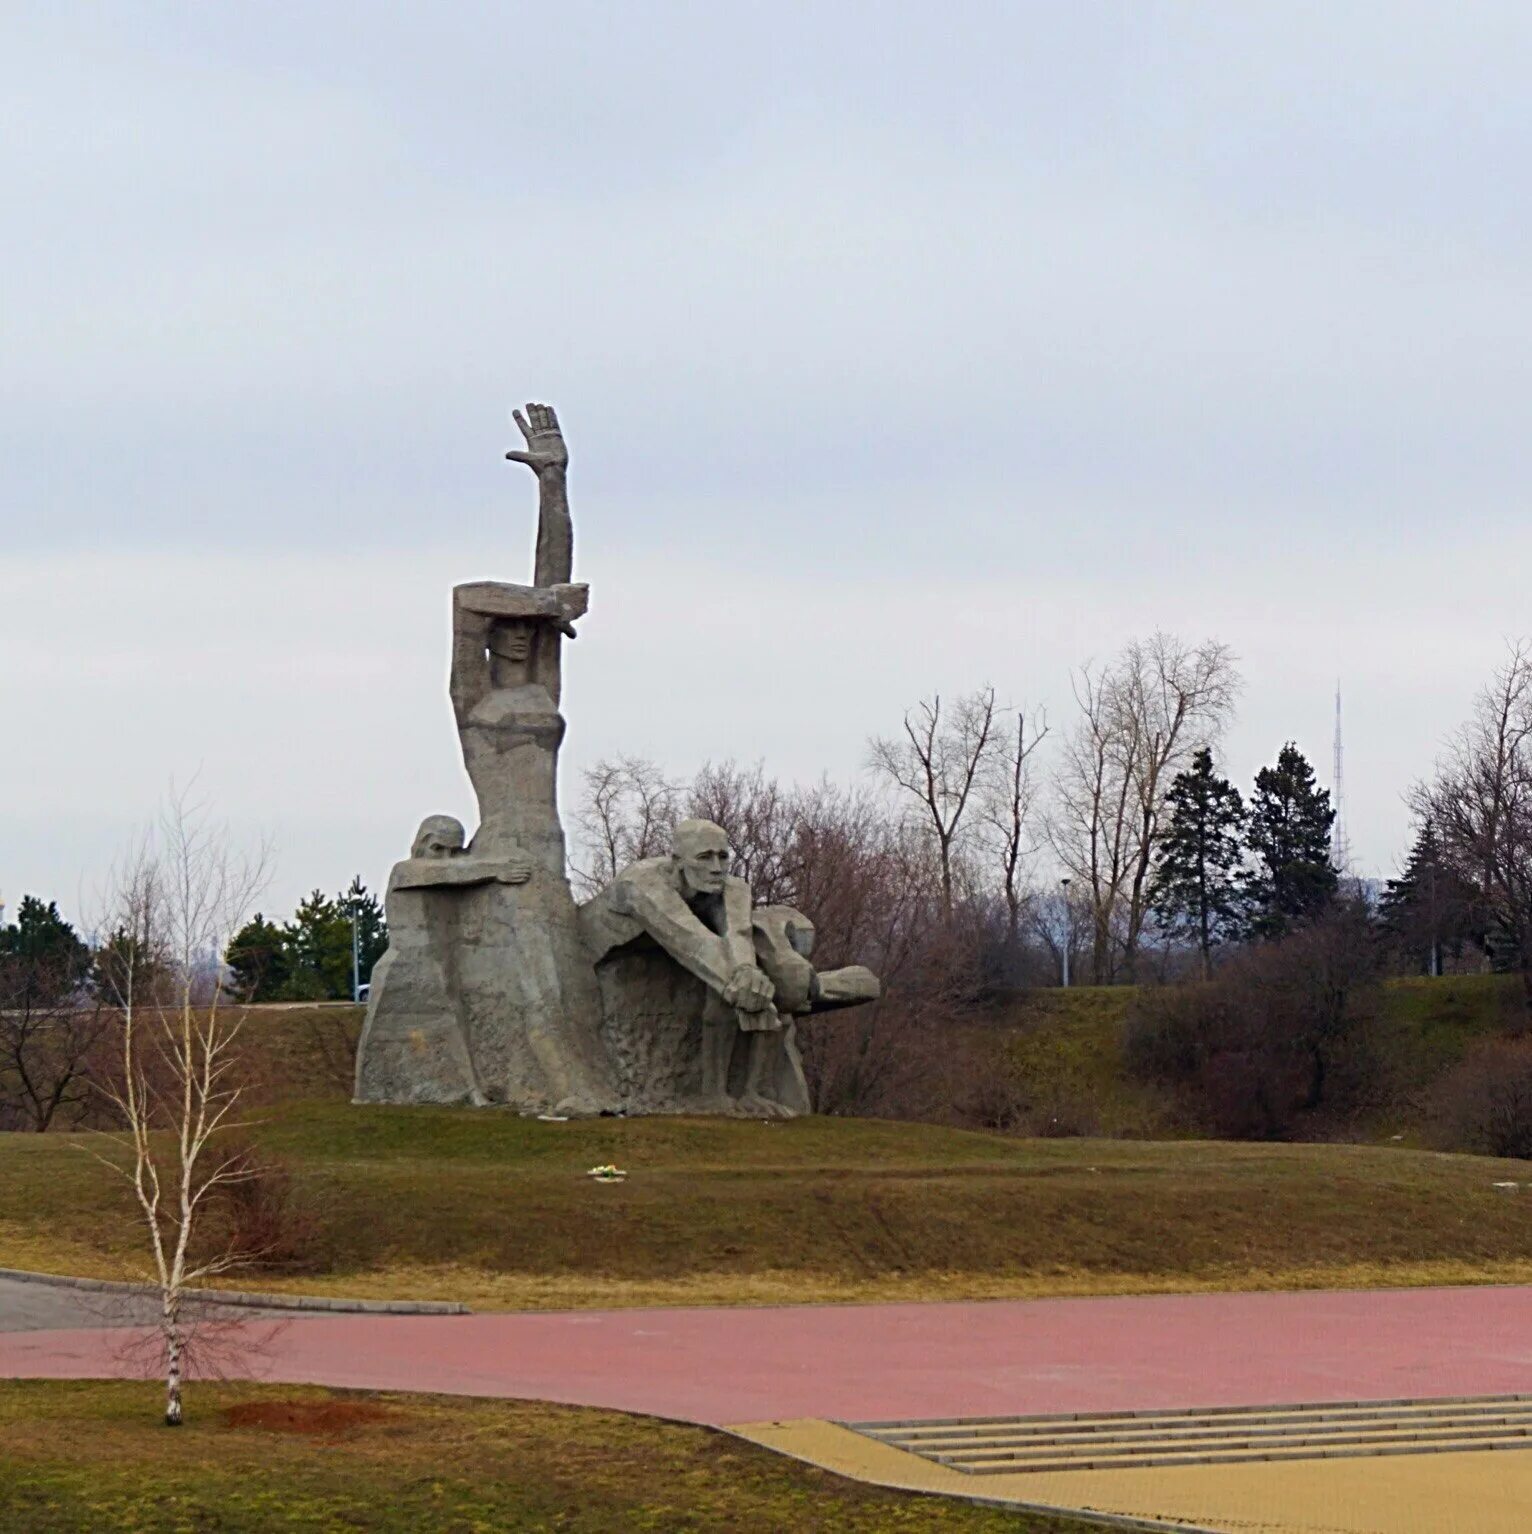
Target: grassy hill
[497, 1211]
[1063, 1053]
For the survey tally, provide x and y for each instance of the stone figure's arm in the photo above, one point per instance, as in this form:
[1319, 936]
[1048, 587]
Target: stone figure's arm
[667, 918]
[470, 679]
[548, 457]
[849, 986]
[458, 872]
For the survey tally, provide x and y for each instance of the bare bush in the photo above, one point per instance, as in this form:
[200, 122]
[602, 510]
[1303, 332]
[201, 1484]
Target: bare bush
[1485, 1105]
[258, 1211]
[1281, 1036]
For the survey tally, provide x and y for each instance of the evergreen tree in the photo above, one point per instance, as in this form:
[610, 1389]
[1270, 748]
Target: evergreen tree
[309, 957]
[44, 953]
[318, 945]
[1289, 823]
[259, 958]
[1196, 892]
[1430, 912]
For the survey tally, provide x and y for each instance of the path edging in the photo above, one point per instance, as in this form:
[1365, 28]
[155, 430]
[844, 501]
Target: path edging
[247, 1298]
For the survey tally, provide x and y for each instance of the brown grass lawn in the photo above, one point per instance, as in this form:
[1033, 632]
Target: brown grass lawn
[497, 1211]
[90, 1458]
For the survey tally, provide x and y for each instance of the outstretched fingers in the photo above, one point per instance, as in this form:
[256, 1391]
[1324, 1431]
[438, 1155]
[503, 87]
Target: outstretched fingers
[539, 421]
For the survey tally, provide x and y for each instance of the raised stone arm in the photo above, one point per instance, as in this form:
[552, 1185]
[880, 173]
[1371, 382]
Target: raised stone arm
[548, 457]
[478, 606]
[561, 603]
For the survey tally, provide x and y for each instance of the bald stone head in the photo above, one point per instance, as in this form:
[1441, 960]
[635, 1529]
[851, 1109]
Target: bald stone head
[699, 853]
[439, 836]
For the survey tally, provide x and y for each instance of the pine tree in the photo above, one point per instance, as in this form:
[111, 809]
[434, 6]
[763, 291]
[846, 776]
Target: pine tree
[45, 954]
[259, 958]
[1288, 834]
[318, 944]
[1430, 910]
[1196, 892]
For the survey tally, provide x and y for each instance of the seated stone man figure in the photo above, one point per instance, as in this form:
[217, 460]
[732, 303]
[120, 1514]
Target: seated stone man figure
[697, 915]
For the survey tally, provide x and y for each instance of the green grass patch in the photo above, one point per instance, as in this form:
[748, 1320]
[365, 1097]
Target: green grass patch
[89, 1456]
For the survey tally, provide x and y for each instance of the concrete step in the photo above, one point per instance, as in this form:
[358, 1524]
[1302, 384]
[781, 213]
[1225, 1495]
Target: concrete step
[1216, 1435]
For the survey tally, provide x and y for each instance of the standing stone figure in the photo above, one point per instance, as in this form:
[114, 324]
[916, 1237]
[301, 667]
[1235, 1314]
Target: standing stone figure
[516, 986]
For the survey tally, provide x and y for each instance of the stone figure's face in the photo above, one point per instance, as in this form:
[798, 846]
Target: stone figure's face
[511, 641]
[701, 856]
[439, 836]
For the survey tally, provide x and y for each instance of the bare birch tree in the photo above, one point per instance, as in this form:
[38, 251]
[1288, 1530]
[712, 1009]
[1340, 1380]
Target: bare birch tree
[941, 760]
[1141, 718]
[173, 906]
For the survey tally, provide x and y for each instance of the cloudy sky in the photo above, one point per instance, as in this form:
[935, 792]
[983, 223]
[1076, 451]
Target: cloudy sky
[900, 348]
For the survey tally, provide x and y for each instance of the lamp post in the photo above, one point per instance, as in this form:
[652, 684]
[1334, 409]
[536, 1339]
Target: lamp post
[356, 957]
[1068, 929]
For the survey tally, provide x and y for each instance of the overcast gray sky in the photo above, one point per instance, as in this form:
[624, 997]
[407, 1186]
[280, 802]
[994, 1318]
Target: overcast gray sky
[900, 347]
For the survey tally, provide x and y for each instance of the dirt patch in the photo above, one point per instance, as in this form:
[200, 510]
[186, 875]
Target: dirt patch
[315, 1419]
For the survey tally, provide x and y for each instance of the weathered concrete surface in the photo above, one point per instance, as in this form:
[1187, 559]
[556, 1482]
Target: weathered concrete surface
[699, 988]
[486, 994]
[667, 993]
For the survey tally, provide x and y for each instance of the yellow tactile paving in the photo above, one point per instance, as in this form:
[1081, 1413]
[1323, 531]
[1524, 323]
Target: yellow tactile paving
[1459, 1493]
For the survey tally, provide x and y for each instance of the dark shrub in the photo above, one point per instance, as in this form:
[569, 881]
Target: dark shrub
[258, 1216]
[1279, 1038]
[1485, 1105]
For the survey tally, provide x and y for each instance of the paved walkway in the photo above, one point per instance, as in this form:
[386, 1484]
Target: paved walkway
[854, 1363]
[34, 1307]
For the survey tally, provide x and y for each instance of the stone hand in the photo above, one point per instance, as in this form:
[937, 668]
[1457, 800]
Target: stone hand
[749, 989]
[545, 442]
[515, 870]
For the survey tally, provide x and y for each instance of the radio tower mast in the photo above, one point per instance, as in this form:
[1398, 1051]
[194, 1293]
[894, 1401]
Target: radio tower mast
[1340, 840]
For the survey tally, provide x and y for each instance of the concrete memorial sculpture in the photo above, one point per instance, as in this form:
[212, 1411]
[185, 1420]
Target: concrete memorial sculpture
[669, 992]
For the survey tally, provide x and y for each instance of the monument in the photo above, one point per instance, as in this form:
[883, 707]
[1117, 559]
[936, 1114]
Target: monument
[669, 992]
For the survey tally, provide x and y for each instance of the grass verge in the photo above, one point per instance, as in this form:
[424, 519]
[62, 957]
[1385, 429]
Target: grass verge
[87, 1456]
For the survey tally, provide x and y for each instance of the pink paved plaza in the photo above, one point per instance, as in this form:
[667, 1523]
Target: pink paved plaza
[855, 1363]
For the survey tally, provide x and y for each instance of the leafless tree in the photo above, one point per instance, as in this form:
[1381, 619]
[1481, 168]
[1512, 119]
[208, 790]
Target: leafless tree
[172, 907]
[940, 761]
[1179, 698]
[1007, 805]
[1141, 716]
[50, 1030]
[626, 810]
[758, 814]
[1481, 805]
